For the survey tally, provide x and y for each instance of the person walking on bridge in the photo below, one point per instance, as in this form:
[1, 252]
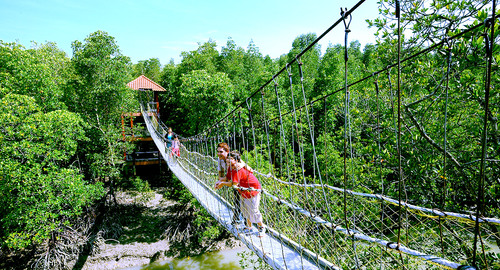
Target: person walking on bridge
[169, 137]
[248, 187]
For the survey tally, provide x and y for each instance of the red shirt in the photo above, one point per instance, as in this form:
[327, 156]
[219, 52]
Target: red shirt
[244, 179]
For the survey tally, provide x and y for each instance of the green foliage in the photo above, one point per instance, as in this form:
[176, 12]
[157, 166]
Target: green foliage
[40, 72]
[40, 189]
[100, 95]
[150, 68]
[215, 90]
[206, 57]
[59, 131]
[244, 70]
[137, 184]
[248, 260]
[99, 91]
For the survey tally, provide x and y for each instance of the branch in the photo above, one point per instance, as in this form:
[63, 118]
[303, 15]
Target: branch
[422, 99]
[432, 142]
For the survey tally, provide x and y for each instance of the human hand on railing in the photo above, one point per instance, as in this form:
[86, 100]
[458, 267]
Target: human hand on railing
[218, 185]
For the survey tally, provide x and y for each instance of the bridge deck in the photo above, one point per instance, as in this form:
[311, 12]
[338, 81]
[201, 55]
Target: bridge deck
[268, 247]
[271, 247]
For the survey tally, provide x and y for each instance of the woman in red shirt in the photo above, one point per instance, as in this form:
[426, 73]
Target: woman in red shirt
[249, 188]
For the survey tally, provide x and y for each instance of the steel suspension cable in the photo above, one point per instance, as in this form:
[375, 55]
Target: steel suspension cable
[400, 168]
[445, 125]
[282, 129]
[489, 43]
[347, 132]
[379, 165]
[250, 117]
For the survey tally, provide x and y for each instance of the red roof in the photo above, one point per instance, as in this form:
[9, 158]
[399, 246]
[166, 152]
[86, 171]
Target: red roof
[144, 83]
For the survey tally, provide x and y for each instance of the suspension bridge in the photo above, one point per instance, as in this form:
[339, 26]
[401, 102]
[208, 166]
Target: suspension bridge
[337, 182]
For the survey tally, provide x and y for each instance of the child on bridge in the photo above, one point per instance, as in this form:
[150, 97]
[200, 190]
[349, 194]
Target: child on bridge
[176, 144]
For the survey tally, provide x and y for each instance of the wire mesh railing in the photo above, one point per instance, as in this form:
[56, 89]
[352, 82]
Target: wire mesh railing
[380, 170]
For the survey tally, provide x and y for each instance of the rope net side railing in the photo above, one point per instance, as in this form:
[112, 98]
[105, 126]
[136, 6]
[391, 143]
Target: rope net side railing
[200, 173]
[424, 211]
[364, 180]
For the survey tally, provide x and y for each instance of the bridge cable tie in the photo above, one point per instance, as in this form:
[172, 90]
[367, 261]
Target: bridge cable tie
[249, 104]
[395, 248]
[274, 80]
[347, 30]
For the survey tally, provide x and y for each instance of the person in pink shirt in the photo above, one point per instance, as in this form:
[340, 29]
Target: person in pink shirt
[176, 144]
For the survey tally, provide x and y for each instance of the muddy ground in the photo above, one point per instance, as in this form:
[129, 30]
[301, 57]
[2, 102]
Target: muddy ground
[137, 232]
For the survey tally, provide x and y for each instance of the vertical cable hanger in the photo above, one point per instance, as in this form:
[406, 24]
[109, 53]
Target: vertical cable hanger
[346, 112]
[243, 145]
[250, 118]
[347, 18]
[282, 129]
[379, 163]
[400, 167]
[445, 143]
[313, 143]
[279, 195]
[265, 121]
[294, 113]
[489, 43]
[294, 128]
[234, 134]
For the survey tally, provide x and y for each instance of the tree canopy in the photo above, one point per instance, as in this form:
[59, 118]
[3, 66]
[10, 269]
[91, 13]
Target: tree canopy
[60, 133]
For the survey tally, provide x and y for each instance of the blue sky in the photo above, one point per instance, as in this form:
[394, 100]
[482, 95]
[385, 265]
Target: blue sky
[164, 28]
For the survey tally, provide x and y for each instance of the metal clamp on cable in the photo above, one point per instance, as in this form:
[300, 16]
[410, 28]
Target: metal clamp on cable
[344, 17]
[390, 243]
[301, 74]
[347, 30]
[298, 60]
[274, 80]
[249, 105]
[398, 9]
[289, 71]
[487, 46]
[487, 22]
[376, 86]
